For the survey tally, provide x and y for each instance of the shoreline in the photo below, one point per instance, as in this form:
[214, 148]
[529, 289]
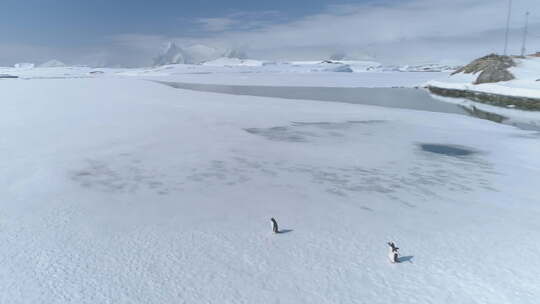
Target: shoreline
[505, 101]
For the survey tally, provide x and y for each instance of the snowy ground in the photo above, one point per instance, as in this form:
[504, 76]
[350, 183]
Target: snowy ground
[122, 190]
[247, 73]
[288, 74]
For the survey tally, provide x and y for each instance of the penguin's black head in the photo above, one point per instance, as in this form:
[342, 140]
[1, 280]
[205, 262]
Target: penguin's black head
[393, 246]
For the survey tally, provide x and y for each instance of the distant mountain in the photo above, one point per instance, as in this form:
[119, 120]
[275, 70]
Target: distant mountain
[171, 55]
[52, 64]
[235, 53]
[194, 54]
[234, 61]
[428, 67]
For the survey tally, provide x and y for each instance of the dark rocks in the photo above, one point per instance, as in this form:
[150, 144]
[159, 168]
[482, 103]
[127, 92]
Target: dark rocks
[494, 74]
[523, 103]
[492, 68]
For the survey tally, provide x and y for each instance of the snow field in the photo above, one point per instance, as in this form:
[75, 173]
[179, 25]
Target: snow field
[128, 191]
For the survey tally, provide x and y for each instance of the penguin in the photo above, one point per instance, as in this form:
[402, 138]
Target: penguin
[275, 228]
[393, 254]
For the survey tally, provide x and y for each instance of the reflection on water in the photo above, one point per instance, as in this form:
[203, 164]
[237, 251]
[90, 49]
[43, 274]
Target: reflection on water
[403, 98]
[474, 111]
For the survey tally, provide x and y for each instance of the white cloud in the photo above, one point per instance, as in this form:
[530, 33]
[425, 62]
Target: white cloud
[238, 21]
[370, 26]
[216, 24]
[417, 30]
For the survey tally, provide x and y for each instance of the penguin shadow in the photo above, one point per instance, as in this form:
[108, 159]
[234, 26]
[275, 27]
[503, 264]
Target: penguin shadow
[407, 258]
[283, 231]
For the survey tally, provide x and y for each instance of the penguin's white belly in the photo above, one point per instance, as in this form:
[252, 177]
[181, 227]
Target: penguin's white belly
[392, 257]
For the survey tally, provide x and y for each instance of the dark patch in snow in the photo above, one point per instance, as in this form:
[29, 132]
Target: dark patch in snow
[299, 132]
[449, 150]
[280, 134]
[121, 175]
[424, 177]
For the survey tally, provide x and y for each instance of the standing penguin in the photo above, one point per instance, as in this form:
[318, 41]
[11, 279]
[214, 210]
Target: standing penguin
[275, 228]
[393, 254]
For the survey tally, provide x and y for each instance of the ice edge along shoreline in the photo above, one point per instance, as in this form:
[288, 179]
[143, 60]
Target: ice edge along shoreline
[518, 102]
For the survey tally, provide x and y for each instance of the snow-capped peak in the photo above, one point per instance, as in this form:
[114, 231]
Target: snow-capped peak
[52, 64]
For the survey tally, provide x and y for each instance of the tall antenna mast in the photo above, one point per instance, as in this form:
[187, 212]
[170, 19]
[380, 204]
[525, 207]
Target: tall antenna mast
[525, 30]
[507, 26]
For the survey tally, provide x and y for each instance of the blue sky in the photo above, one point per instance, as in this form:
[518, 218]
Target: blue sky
[87, 21]
[131, 32]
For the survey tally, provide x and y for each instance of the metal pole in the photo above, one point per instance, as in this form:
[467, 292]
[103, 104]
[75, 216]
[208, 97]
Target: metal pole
[525, 30]
[507, 26]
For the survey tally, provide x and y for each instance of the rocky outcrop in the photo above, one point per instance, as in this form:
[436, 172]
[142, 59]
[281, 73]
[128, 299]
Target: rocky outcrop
[493, 74]
[492, 68]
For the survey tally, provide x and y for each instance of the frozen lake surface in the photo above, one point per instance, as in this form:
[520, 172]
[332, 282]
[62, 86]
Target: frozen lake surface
[401, 98]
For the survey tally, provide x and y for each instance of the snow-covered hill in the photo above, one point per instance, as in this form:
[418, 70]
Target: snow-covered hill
[194, 54]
